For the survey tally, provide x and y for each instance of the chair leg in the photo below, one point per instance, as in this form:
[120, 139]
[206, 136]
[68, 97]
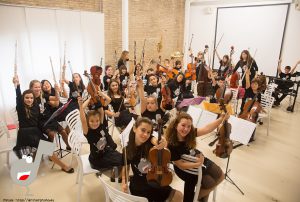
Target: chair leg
[269, 117]
[79, 187]
[214, 194]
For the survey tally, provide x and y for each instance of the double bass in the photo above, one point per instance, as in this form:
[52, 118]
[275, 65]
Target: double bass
[225, 145]
[203, 79]
[159, 174]
[93, 87]
[235, 77]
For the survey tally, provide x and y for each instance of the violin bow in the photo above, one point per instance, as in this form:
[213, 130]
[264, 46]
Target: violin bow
[16, 59]
[142, 60]
[53, 74]
[134, 53]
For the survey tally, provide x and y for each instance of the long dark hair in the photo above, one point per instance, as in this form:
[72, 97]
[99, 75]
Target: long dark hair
[52, 89]
[249, 58]
[131, 148]
[81, 85]
[27, 108]
[171, 132]
[110, 93]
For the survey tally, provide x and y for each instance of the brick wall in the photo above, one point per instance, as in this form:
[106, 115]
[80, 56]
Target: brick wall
[150, 19]
[153, 20]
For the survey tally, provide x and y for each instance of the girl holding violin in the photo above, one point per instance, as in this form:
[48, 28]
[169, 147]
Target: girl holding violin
[122, 115]
[179, 87]
[181, 137]
[123, 59]
[246, 61]
[137, 152]
[52, 104]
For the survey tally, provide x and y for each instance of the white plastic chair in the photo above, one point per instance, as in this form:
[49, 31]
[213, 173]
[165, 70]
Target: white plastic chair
[5, 147]
[115, 195]
[196, 171]
[74, 123]
[84, 167]
[266, 102]
[270, 89]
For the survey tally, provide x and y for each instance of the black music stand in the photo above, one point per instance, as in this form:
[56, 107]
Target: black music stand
[229, 179]
[60, 151]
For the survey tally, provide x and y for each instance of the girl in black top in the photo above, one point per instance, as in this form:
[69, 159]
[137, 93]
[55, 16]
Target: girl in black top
[252, 89]
[124, 77]
[181, 137]
[123, 59]
[52, 104]
[245, 61]
[137, 149]
[224, 65]
[108, 76]
[76, 86]
[103, 152]
[29, 116]
[179, 88]
[153, 87]
[149, 105]
[122, 115]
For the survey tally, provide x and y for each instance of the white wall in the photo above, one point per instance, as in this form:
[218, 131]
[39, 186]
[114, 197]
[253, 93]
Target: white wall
[203, 18]
[41, 33]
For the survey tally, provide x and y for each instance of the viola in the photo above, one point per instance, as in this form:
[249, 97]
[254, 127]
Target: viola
[225, 145]
[159, 174]
[163, 69]
[93, 87]
[251, 110]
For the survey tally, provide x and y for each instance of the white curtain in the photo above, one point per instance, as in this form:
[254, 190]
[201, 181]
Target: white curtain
[42, 33]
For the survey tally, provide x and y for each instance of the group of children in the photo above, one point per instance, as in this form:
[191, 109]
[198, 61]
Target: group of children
[157, 93]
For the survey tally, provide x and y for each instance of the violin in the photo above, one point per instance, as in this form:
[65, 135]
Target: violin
[251, 110]
[191, 67]
[163, 69]
[93, 87]
[225, 145]
[167, 98]
[159, 174]
[202, 86]
[131, 92]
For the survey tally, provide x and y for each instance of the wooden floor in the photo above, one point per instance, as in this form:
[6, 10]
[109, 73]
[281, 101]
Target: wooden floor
[266, 170]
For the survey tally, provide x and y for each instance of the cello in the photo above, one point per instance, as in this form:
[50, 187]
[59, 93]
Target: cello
[251, 110]
[159, 174]
[93, 87]
[225, 145]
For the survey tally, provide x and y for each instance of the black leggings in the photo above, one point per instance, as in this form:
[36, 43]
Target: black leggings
[210, 176]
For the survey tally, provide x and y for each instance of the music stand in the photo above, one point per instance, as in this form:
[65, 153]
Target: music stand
[229, 179]
[238, 125]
